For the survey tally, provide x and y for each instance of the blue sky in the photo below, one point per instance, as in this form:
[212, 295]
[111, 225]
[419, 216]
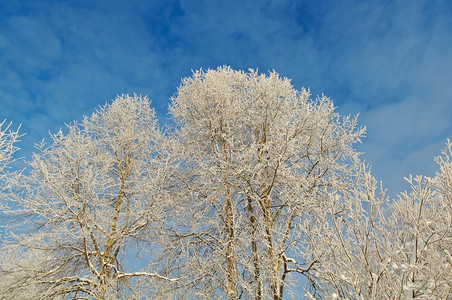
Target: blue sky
[390, 61]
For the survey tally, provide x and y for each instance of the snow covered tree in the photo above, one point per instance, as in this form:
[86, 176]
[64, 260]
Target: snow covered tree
[255, 191]
[91, 202]
[8, 138]
[370, 248]
[420, 234]
[347, 242]
[259, 157]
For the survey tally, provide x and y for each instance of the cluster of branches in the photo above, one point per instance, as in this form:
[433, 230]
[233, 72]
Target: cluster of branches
[254, 192]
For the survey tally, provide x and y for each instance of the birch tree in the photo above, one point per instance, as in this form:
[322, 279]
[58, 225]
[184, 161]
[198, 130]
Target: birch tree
[92, 200]
[256, 190]
[260, 156]
[372, 248]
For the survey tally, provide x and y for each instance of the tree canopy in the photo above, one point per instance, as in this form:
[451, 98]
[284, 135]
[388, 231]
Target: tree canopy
[255, 192]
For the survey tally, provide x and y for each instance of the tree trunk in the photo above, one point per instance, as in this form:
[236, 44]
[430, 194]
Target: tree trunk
[255, 251]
